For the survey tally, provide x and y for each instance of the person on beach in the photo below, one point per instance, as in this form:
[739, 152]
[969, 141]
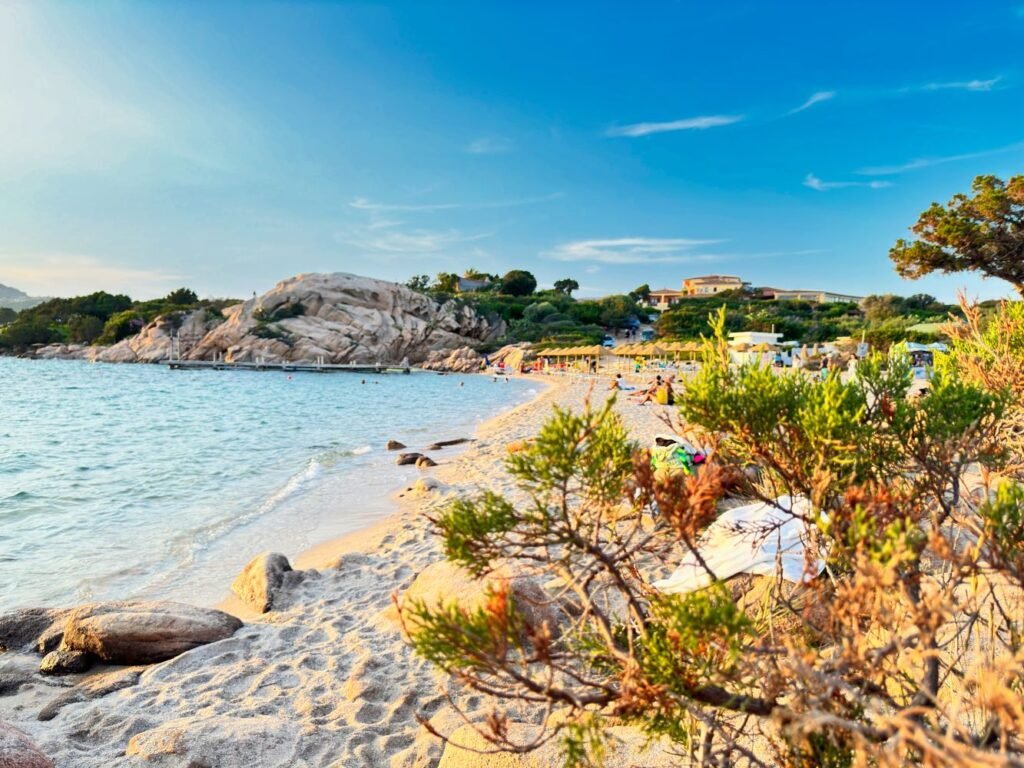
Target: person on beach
[649, 394]
[619, 384]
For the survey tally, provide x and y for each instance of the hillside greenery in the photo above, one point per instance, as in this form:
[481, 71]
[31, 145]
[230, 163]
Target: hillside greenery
[98, 318]
[543, 317]
[883, 320]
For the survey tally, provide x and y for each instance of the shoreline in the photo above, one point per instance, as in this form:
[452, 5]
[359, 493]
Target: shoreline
[325, 678]
[325, 553]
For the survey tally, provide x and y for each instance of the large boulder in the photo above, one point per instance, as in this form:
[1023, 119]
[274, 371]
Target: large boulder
[444, 583]
[144, 632]
[343, 318]
[63, 352]
[461, 360]
[511, 356]
[153, 343]
[626, 748]
[262, 579]
[17, 750]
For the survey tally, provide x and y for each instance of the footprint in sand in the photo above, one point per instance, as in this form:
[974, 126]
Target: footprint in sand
[369, 713]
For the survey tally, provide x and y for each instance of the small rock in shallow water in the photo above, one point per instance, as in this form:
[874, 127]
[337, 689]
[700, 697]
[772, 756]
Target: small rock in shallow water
[407, 458]
[445, 443]
[65, 662]
[394, 445]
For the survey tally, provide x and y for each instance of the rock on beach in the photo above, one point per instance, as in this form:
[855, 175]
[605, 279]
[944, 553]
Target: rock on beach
[263, 579]
[17, 750]
[144, 632]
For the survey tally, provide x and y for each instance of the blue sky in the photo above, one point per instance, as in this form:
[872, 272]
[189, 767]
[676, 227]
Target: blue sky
[226, 146]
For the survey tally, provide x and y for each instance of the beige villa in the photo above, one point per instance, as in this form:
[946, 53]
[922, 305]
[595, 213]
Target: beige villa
[664, 298]
[709, 285]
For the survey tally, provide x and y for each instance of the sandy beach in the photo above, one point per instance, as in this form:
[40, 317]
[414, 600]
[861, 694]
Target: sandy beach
[325, 679]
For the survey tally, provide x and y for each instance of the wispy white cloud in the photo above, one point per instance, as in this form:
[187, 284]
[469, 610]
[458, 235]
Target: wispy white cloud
[925, 162]
[632, 250]
[814, 182]
[363, 204]
[414, 241]
[964, 85]
[816, 98]
[490, 146]
[687, 124]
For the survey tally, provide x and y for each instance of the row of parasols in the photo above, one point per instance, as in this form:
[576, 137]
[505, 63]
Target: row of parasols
[661, 349]
[649, 349]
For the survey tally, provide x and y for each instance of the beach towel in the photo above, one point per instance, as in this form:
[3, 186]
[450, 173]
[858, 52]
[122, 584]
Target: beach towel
[754, 539]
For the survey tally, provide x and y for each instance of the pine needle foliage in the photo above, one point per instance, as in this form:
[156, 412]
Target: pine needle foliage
[905, 649]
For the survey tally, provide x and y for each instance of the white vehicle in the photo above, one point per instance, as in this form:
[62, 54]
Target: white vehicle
[607, 341]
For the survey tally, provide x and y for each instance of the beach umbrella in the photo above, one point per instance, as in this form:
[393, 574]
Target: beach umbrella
[763, 347]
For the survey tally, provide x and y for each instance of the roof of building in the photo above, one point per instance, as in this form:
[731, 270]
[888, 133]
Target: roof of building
[813, 290]
[661, 291]
[712, 278]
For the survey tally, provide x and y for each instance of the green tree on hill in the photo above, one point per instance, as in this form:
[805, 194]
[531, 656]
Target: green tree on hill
[182, 296]
[981, 233]
[566, 286]
[419, 283]
[641, 293]
[518, 282]
[84, 329]
[446, 282]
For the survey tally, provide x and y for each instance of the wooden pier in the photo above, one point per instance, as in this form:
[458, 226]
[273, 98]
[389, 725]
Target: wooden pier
[220, 365]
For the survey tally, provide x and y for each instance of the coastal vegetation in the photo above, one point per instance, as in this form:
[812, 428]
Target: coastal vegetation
[901, 645]
[881, 320]
[981, 233]
[98, 318]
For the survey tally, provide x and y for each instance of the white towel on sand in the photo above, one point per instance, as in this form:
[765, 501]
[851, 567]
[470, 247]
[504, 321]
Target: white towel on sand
[756, 538]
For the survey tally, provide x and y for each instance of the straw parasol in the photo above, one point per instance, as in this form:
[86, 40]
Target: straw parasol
[763, 347]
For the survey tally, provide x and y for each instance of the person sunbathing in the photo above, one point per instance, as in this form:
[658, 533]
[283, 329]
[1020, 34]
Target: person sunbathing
[647, 393]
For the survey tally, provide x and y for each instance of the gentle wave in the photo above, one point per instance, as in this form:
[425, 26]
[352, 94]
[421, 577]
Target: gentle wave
[135, 480]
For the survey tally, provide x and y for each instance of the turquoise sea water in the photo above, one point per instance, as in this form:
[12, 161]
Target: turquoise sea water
[136, 481]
